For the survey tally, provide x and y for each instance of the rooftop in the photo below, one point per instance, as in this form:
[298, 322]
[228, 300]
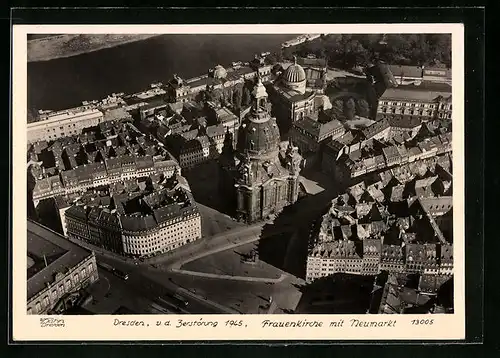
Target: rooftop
[312, 62]
[316, 128]
[67, 114]
[116, 114]
[406, 71]
[61, 255]
[425, 92]
[293, 96]
[139, 210]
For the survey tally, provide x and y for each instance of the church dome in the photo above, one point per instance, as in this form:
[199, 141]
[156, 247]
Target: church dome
[220, 72]
[294, 73]
[294, 78]
[259, 135]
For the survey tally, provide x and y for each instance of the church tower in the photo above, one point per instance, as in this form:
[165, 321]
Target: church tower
[263, 181]
[228, 152]
[259, 94]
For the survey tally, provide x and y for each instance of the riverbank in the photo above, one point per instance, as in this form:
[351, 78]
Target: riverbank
[66, 82]
[68, 45]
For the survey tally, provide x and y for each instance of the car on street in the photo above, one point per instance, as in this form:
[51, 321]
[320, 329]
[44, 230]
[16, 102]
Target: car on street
[121, 274]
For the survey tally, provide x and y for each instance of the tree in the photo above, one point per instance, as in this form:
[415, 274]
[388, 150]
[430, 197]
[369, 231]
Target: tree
[349, 108]
[338, 106]
[207, 95]
[237, 98]
[351, 50]
[247, 98]
[272, 59]
[217, 95]
[279, 56]
[362, 108]
[355, 54]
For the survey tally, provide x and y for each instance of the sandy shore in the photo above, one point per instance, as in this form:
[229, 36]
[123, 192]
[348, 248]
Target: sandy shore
[49, 48]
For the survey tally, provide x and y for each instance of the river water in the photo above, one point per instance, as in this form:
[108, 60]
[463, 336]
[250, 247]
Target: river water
[66, 82]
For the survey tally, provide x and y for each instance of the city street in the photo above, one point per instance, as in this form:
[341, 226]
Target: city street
[218, 293]
[110, 293]
[142, 283]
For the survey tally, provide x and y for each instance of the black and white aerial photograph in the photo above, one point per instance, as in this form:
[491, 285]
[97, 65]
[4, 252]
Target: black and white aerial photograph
[239, 174]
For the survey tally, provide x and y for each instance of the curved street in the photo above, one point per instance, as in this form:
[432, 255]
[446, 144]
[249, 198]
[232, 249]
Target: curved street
[223, 293]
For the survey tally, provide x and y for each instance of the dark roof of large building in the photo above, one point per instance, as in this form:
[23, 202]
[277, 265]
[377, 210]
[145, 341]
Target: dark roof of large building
[61, 255]
[312, 62]
[426, 91]
[375, 128]
[316, 128]
[77, 211]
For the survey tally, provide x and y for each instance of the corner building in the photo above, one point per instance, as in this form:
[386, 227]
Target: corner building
[57, 270]
[138, 224]
[260, 177]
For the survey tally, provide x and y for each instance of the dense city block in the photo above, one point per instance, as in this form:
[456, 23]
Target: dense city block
[309, 179]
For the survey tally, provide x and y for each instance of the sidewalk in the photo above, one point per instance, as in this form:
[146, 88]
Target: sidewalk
[229, 277]
[206, 301]
[181, 262]
[183, 251]
[179, 253]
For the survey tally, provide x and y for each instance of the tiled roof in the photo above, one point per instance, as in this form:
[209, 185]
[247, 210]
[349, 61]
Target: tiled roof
[375, 128]
[312, 62]
[213, 131]
[315, 128]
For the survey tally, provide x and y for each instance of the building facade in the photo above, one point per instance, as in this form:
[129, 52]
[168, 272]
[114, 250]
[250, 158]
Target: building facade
[140, 224]
[63, 123]
[291, 98]
[368, 230]
[220, 79]
[426, 102]
[263, 178]
[309, 133]
[76, 164]
[56, 269]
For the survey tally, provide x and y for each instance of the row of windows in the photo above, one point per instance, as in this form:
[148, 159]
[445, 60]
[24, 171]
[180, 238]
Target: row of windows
[159, 243]
[62, 288]
[179, 226]
[168, 234]
[59, 132]
[74, 186]
[162, 248]
[410, 104]
[317, 266]
[194, 155]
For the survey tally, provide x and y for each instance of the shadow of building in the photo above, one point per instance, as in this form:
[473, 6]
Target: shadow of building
[31, 210]
[445, 297]
[204, 181]
[285, 241]
[337, 294]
